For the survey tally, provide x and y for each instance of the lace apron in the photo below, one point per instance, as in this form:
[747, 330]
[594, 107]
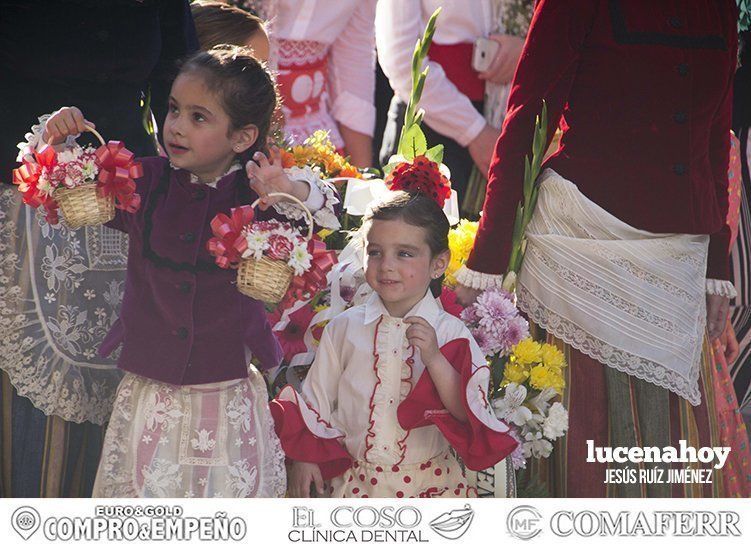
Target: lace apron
[632, 300]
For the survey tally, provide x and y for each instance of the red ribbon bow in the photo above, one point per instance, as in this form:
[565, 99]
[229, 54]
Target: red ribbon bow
[314, 279]
[26, 177]
[117, 171]
[228, 244]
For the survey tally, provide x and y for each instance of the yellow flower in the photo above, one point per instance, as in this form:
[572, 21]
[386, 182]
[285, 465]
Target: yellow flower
[514, 372]
[541, 377]
[527, 352]
[552, 357]
[320, 308]
[461, 240]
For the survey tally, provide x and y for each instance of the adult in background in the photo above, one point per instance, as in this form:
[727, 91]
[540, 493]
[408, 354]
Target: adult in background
[325, 55]
[60, 290]
[454, 91]
[645, 90]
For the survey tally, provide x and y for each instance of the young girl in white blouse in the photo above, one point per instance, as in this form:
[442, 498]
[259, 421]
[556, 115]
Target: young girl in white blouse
[397, 382]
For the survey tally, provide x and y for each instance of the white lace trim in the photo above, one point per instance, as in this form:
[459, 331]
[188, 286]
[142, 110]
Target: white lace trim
[721, 287]
[322, 193]
[631, 364]
[34, 138]
[478, 280]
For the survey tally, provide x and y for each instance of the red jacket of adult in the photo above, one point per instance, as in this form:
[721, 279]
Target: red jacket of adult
[645, 91]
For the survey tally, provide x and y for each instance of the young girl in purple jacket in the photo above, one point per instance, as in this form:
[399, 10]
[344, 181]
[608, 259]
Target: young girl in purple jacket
[191, 417]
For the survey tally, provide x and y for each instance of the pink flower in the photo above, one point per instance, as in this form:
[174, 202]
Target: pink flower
[280, 247]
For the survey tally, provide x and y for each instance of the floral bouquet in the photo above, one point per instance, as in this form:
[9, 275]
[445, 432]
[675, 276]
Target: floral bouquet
[319, 153]
[86, 184]
[525, 375]
[269, 254]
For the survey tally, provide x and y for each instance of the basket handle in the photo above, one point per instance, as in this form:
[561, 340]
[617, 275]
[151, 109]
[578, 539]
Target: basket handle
[297, 201]
[93, 131]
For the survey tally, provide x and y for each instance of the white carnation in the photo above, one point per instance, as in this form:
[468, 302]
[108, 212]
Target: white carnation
[556, 424]
[257, 244]
[300, 260]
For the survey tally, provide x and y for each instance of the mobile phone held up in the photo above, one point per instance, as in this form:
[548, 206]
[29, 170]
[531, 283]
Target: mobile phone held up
[483, 53]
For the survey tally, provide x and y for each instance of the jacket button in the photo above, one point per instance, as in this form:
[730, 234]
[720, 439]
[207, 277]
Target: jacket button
[182, 333]
[199, 194]
[188, 237]
[683, 69]
[680, 117]
[675, 22]
[185, 287]
[679, 169]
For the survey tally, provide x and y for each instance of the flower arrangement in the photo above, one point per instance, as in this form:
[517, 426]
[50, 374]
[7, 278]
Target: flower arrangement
[525, 375]
[319, 153]
[275, 262]
[49, 178]
[279, 242]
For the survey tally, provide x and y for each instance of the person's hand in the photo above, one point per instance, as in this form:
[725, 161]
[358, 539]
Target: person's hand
[729, 344]
[482, 147]
[502, 69]
[718, 308]
[301, 475]
[421, 335]
[67, 121]
[466, 295]
[267, 175]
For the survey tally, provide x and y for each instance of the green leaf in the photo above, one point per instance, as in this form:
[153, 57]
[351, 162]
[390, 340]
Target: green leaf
[388, 168]
[435, 153]
[414, 143]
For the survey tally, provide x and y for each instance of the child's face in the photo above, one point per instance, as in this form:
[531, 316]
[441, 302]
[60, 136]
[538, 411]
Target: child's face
[398, 264]
[197, 134]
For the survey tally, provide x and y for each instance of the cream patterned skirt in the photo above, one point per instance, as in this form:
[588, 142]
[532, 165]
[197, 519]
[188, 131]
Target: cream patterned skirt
[212, 440]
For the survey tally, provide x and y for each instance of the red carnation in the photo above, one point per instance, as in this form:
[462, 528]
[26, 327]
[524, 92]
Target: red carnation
[420, 176]
[280, 247]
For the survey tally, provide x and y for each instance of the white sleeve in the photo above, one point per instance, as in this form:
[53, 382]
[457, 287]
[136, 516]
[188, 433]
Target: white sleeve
[320, 386]
[352, 71]
[399, 24]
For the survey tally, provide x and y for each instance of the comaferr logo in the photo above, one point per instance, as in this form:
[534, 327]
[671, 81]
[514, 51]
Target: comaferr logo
[453, 524]
[524, 522]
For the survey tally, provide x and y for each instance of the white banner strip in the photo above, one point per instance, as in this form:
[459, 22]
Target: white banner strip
[272, 521]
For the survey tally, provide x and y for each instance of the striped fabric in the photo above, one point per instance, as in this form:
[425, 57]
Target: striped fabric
[615, 409]
[741, 270]
[44, 456]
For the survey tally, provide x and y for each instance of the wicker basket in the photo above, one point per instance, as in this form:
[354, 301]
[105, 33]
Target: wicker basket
[265, 279]
[83, 206]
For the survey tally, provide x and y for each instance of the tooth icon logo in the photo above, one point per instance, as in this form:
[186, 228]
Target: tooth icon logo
[25, 521]
[452, 525]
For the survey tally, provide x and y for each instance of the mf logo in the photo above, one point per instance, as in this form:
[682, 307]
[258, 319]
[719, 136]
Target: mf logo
[524, 522]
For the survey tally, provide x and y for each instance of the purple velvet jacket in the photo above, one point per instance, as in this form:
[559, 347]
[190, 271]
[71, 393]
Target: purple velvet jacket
[183, 321]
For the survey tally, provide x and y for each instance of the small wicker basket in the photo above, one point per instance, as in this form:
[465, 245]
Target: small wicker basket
[83, 206]
[265, 279]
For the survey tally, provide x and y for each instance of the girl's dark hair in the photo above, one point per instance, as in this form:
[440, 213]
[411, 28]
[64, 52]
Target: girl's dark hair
[244, 85]
[217, 23]
[417, 210]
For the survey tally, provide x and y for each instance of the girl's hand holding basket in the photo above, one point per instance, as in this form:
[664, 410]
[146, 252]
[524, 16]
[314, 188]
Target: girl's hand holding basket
[85, 184]
[267, 254]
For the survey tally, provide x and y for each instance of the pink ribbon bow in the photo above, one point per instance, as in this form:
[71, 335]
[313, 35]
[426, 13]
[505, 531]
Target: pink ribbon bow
[117, 171]
[26, 177]
[228, 244]
[314, 279]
